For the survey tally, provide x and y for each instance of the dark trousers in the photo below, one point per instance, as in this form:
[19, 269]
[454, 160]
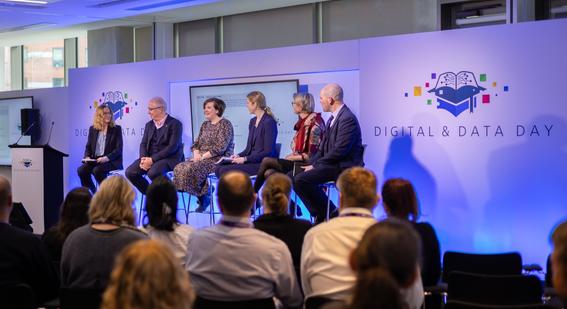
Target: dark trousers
[99, 171]
[308, 186]
[270, 166]
[136, 175]
[248, 168]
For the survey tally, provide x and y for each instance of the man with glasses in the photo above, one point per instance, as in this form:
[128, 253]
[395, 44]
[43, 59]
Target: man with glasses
[161, 147]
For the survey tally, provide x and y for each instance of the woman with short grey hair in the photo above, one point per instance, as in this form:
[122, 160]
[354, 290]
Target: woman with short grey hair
[309, 130]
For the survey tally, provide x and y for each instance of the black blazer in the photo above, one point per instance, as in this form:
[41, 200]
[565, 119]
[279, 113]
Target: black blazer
[341, 145]
[261, 140]
[170, 145]
[112, 147]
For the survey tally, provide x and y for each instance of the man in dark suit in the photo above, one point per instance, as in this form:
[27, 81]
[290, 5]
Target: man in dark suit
[340, 148]
[23, 258]
[161, 148]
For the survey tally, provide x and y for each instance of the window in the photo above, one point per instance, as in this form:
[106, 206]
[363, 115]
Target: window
[58, 82]
[43, 64]
[5, 69]
[82, 52]
[58, 58]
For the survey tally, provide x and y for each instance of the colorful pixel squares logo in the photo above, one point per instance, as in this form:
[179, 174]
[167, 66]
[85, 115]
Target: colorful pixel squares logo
[458, 92]
[118, 101]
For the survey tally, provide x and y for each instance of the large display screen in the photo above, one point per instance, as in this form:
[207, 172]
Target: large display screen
[279, 95]
[10, 125]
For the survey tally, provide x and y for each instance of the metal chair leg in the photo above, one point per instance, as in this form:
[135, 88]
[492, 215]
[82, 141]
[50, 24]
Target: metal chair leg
[141, 211]
[328, 201]
[212, 206]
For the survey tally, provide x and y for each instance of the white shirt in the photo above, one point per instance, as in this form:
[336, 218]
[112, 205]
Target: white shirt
[229, 263]
[175, 240]
[335, 114]
[160, 123]
[325, 268]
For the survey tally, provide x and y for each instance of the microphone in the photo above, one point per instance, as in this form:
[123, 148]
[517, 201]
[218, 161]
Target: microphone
[25, 132]
[50, 130]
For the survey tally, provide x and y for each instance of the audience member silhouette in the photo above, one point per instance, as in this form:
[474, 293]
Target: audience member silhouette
[147, 275]
[400, 201]
[161, 206]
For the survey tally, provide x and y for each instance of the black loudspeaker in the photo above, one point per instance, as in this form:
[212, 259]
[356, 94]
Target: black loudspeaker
[30, 117]
[19, 217]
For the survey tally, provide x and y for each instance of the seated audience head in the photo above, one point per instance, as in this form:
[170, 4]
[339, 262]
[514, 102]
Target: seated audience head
[5, 199]
[357, 188]
[235, 194]
[399, 199]
[303, 102]
[74, 211]
[157, 108]
[276, 192]
[112, 203]
[146, 275]
[331, 97]
[386, 261]
[161, 204]
[213, 106]
[103, 115]
[559, 260]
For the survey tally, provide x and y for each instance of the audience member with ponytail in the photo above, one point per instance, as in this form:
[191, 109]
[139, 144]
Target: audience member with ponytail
[400, 201]
[386, 262]
[161, 206]
[277, 222]
[262, 134]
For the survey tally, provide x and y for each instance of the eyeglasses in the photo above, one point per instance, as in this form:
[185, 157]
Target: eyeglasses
[151, 109]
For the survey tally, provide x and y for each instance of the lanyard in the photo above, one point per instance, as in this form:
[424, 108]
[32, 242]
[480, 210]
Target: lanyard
[235, 224]
[354, 214]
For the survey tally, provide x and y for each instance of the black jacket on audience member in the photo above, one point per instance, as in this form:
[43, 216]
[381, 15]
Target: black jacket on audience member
[23, 259]
[431, 254]
[289, 230]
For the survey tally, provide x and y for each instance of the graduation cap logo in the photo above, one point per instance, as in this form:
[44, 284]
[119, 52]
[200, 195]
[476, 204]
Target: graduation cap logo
[458, 92]
[118, 102]
[26, 162]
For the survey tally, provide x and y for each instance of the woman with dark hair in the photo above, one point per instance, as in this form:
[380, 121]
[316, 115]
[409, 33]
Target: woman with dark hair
[277, 222]
[386, 263]
[74, 214]
[103, 151]
[400, 201]
[262, 135]
[309, 130]
[215, 140]
[161, 206]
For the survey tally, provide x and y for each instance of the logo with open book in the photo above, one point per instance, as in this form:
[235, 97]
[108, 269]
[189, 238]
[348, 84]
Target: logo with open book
[118, 101]
[459, 92]
[26, 162]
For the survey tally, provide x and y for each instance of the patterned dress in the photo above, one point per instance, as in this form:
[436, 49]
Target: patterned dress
[217, 138]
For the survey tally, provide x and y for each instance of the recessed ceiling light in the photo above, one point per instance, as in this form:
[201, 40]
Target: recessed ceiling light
[28, 1]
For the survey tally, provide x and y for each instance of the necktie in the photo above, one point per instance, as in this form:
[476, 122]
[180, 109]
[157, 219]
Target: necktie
[328, 126]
